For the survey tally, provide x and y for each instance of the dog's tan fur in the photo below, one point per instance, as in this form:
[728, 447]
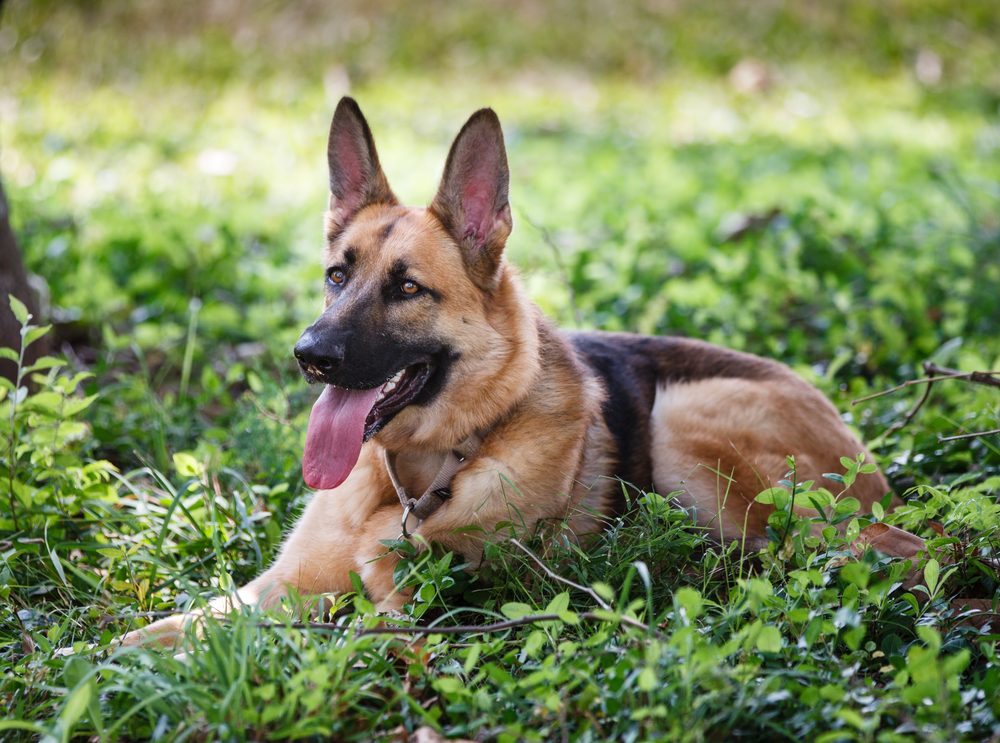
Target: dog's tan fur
[720, 442]
[718, 437]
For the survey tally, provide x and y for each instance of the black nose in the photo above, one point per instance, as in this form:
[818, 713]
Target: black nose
[317, 354]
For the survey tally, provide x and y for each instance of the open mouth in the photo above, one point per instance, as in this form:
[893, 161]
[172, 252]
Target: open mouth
[402, 389]
[343, 419]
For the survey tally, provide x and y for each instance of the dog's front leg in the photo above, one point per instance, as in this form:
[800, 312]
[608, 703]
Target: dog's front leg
[316, 558]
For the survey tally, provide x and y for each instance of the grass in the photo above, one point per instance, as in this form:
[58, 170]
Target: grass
[166, 175]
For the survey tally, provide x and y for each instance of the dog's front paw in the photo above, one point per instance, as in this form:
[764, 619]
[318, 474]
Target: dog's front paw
[167, 633]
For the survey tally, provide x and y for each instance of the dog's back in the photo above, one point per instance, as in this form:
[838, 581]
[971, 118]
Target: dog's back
[715, 425]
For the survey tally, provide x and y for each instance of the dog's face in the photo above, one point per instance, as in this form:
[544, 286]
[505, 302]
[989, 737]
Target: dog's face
[407, 314]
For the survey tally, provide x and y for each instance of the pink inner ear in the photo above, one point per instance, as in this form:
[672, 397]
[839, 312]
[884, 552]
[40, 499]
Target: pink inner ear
[352, 172]
[478, 174]
[477, 208]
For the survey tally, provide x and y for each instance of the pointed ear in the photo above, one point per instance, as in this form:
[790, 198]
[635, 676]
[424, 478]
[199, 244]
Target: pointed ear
[356, 178]
[471, 202]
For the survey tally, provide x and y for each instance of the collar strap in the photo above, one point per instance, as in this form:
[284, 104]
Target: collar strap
[439, 490]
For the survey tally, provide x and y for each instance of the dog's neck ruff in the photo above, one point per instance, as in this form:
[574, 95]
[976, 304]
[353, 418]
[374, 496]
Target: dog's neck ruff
[439, 490]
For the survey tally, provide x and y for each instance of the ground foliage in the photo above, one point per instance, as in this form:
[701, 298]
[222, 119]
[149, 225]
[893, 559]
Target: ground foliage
[833, 204]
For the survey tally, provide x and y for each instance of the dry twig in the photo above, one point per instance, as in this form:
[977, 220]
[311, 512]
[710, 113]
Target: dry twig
[973, 435]
[556, 577]
[934, 374]
[460, 629]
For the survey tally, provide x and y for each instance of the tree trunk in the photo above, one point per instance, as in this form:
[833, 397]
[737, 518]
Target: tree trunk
[13, 280]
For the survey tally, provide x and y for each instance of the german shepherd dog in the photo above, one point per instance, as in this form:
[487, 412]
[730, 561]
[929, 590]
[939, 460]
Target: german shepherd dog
[441, 378]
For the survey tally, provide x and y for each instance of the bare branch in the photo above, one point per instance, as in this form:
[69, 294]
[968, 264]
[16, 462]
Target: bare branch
[556, 577]
[900, 425]
[988, 378]
[936, 375]
[463, 629]
[586, 589]
[975, 435]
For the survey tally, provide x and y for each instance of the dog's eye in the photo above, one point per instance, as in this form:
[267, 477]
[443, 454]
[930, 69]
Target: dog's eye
[409, 288]
[336, 277]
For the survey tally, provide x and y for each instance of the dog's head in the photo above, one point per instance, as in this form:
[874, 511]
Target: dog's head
[417, 306]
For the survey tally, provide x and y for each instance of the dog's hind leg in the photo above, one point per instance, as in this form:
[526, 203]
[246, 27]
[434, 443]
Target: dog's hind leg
[719, 442]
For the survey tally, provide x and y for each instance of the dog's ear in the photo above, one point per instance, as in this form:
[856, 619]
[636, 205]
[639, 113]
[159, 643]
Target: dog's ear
[471, 202]
[356, 178]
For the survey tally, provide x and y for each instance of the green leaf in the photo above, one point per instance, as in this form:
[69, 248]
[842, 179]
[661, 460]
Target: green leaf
[647, 679]
[818, 499]
[769, 640]
[74, 707]
[472, 657]
[848, 505]
[603, 590]
[46, 362]
[45, 401]
[57, 564]
[19, 309]
[9, 353]
[931, 572]
[187, 466]
[779, 497]
[689, 600]
[813, 631]
[558, 604]
[449, 685]
[852, 718]
[357, 584]
[856, 573]
[853, 636]
[516, 610]
[34, 334]
[74, 405]
[957, 663]
[536, 638]
[914, 605]
[76, 672]
[930, 636]
[853, 530]
[850, 596]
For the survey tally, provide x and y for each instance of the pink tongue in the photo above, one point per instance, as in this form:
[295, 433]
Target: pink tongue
[334, 438]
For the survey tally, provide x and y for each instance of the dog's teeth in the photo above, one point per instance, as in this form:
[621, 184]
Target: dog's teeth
[389, 386]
